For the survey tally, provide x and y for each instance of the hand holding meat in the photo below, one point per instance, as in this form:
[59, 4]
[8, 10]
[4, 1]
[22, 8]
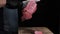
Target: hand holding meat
[29, 10]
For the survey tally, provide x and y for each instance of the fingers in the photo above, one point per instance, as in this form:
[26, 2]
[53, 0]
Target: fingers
[31, 7]
[29, 10]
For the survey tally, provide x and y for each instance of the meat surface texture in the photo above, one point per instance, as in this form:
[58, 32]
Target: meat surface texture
[29, 10]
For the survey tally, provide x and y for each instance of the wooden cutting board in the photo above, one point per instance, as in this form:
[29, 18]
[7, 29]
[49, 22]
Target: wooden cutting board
[30, 30]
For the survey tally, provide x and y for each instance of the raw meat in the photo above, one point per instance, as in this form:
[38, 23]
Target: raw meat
[28, 11]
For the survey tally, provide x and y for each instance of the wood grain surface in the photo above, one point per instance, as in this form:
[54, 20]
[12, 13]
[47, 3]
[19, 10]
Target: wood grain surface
[30, 30]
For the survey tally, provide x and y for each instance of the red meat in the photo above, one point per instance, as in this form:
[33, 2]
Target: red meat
[38, 32]
[29, 10]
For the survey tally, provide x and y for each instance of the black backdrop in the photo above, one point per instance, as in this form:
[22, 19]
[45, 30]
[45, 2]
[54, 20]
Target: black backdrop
[1, 19]
[46, 15]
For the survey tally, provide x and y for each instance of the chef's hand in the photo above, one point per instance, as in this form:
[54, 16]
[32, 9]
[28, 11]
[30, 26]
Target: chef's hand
[2, 3]
[29, 10]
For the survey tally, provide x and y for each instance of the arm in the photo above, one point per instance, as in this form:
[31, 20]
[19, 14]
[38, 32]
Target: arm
[2, 3]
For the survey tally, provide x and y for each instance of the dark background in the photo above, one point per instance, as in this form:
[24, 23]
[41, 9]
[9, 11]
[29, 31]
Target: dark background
[46, 15]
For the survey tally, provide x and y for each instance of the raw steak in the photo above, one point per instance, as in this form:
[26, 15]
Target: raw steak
[28, 11]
